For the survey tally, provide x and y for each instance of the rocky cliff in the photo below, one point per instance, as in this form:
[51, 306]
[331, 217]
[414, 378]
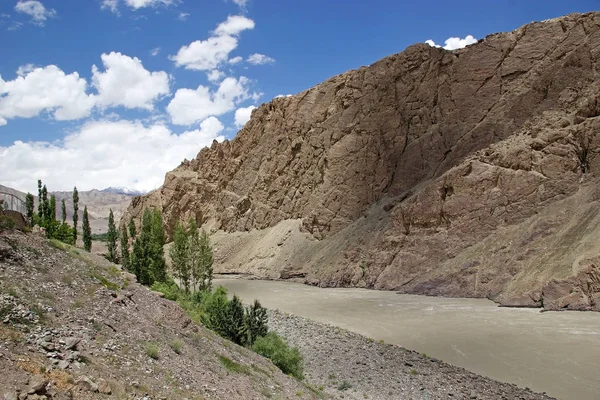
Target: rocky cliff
[455, 173]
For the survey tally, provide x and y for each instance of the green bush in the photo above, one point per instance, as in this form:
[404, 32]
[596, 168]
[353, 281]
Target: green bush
[152, 350]
[169, 289]
[287, 359]
[176, 345]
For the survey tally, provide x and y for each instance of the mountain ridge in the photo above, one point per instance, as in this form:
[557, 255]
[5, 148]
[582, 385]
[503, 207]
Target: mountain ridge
[403, 175]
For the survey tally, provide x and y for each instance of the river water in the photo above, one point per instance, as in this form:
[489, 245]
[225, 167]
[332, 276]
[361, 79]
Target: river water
[553, 352]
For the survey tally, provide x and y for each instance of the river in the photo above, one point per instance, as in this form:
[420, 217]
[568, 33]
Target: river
[553, 352]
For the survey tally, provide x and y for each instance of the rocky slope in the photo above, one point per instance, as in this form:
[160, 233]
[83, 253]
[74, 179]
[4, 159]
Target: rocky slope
[74, 326]
[454, 173]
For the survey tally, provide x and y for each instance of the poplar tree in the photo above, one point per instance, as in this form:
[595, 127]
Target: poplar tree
[179, 256]
[157, 243]
[87, 232]
[63, 211]
[194, 255]
[75, 213]
[40, 203]
[206, 262]
[132, 232]
[124, 248]
[29, 206]
[112, 236]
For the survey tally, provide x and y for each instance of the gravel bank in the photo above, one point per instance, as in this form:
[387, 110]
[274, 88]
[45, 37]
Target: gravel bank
[346, 365]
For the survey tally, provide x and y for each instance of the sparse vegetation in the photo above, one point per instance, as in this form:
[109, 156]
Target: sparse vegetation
[287, 359]
[345, 385]
[232, 366]
[176, 345]
[152, 350]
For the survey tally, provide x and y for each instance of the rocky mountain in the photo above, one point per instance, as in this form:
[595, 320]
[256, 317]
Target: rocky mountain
[455, 173]
[98, 202]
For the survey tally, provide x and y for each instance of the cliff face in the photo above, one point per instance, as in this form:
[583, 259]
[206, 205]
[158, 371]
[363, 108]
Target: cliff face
[463, 173]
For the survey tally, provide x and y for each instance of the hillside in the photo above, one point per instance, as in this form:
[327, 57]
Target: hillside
[75, 326]
[467, 173]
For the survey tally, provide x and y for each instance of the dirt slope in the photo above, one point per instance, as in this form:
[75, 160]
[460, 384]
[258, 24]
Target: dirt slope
[454, 173]
[72, 325]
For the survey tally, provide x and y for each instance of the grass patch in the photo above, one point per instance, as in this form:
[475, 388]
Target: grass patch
[152, 351]
[105, 282]
[287, 359]
[413, 372]
[345, 385]
[57, 244]
[40, 312]
[176, 345]
[232, 366]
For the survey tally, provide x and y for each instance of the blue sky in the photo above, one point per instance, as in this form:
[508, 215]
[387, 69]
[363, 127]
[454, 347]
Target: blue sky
[101, 93]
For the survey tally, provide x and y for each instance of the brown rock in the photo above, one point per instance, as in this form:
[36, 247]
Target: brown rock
[453, 173]
[104, 387]
[37, 384]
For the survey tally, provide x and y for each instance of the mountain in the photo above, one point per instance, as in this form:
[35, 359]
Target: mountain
[123, 190]
[98, 202]
[468, 173]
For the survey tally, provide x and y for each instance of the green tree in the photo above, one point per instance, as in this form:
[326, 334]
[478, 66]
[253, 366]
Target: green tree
[132, 232]
[157, 243]
[256, 322]
[87, 232]
[235, 329]
[179, 256]
[63, 209]
[51, 223]
[40, 203]
[112, 237]
[196, 274]
[206, 262]
[29, 206]
[75, 213]
[124, 248]
[216, 308]
[45, 207]
[64, 233]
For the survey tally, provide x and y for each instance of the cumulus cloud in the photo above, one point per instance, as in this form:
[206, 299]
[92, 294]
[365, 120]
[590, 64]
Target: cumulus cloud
[45, 89]
[235, 60]
[189, 106]
[260, 59]
[105, 153]
[454, 43]
[242, 115]
[215, 75]
[203, 55]
[36, 10]
[127, 83]
[124, 82]
[113, 5]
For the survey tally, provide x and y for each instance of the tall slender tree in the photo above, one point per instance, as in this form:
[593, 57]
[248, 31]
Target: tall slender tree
[112, 237]
[132, 232]
[179, 256]
[124, 248]
[75, 213]
[40, 203]
[206, 262]
[29, 206]
[63, 209]
[45, 207]
[157, 243]
[51, 223]
[196, 273]
[87, 232]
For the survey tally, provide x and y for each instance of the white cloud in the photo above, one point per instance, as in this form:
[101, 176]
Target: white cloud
[155, 51]
[241, 3]
[36, 10]
[189, 106]
[183, 16]
[25, 69]
[208, 54]
[127, 83]
[281, 95]
[45, 89]
[215, 75]
[260, 59]
[454, 43]
[113, 5]
[242, 115]
[235, 60]
[103, 154]
[234, 25]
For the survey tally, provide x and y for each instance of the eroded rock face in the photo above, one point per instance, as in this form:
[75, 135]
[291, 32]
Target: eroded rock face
[418, 172]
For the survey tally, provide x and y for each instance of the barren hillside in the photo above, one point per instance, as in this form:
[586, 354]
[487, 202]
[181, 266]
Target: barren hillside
[455, 173]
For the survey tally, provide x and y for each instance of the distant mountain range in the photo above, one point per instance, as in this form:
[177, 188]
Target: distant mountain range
[98, 202]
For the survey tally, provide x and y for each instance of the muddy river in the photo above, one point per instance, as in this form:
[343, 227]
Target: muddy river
[553, 352]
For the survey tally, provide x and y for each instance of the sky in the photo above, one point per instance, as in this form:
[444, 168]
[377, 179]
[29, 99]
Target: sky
[101, 93]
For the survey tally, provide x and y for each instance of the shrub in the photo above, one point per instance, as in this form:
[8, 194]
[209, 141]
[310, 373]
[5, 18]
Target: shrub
[176, 345]
[232, 366]
[344, 386]
[287, 359]
[169, 289]
[152, 351]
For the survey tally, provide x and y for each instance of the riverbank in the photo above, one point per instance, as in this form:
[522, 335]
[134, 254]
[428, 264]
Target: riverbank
[346, 365]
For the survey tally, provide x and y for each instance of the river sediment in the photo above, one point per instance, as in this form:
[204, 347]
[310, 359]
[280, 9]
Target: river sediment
[346, 365]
